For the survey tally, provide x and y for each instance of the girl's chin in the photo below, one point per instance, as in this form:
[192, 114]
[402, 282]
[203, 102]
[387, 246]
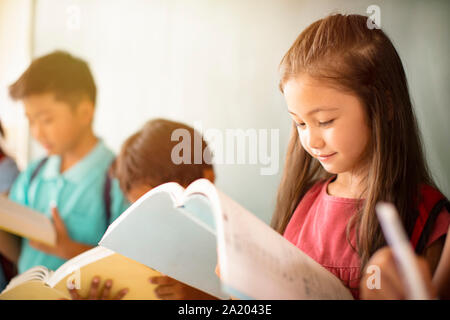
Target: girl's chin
[330, 171]
[333, 169]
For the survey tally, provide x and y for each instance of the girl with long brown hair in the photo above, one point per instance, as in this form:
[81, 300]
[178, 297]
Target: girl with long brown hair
[355, 141]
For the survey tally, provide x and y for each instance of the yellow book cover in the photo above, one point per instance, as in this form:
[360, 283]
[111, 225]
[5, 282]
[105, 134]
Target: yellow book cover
[39, 283]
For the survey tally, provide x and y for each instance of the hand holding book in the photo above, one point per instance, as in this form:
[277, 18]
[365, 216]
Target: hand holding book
[98, 291]
[64, 246]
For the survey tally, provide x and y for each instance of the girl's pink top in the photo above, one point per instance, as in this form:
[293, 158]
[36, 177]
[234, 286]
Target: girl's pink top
[318, 228]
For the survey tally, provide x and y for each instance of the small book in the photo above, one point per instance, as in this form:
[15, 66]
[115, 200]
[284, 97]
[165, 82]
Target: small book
[25, 222]
[40, 283]
[184, 233]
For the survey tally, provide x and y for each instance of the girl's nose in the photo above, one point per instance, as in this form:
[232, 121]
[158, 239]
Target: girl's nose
[315, 140]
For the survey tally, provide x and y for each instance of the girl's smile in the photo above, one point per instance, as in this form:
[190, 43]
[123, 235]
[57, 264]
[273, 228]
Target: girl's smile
[325, 157]
[331, 123]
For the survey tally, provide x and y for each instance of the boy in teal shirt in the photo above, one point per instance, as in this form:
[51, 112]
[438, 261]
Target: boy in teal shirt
[70, 185]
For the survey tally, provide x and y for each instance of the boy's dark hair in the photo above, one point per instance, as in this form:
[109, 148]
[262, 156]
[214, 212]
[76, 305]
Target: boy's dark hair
[146, 157]
[60, 73]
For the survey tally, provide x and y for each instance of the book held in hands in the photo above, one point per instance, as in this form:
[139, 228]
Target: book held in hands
[184, 233]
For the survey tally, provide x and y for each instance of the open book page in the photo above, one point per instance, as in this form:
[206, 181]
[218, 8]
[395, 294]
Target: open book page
[174, 190]
[258, 263]
[38, 273]
[31, 285]
[76, 263]
[25, 222]
[124, 272]
[200, 200]
[33, 290]
[41, 283]
[158, 234]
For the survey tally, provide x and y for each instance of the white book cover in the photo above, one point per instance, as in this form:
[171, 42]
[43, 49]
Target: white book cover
[181, 233]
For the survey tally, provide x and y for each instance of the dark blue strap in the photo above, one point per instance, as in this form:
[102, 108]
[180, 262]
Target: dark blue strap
[107, 198]
[106, 189]
[38, 168]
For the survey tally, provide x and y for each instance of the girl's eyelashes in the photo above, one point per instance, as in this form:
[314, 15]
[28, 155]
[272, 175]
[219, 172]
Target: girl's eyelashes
[326, 123]
[299, 125]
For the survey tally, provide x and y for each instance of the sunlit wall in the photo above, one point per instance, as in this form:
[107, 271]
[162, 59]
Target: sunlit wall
[214, 64]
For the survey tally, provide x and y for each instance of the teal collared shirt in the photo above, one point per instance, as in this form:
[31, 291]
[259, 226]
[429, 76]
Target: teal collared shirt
[78, 194]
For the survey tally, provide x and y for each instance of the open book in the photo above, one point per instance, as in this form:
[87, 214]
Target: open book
[43, 284]
[181, 233]
[25, 222]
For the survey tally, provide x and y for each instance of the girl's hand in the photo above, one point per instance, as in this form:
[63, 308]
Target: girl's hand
[96, 294]
[65, 247]
[171, 289]
[391, 284]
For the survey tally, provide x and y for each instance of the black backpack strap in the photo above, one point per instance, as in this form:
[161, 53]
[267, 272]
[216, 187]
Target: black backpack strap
[106, 189]
[9, 268]
[36, 171]
[38, 168]
[429, 225]
[107, 197]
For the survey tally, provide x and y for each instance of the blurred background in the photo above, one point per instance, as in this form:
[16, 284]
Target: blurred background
[215, 62]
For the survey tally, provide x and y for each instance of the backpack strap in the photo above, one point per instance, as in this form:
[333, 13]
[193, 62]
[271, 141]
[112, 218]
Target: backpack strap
[38, 168]
[431, 204]
[35, 173]
[9, 268]
[107, 197]
[106, 188]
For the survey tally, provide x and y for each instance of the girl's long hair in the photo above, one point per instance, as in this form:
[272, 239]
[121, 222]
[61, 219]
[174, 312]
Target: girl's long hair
[342, 51]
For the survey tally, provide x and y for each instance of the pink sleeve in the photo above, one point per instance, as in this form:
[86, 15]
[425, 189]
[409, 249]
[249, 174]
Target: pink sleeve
[441, 227]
